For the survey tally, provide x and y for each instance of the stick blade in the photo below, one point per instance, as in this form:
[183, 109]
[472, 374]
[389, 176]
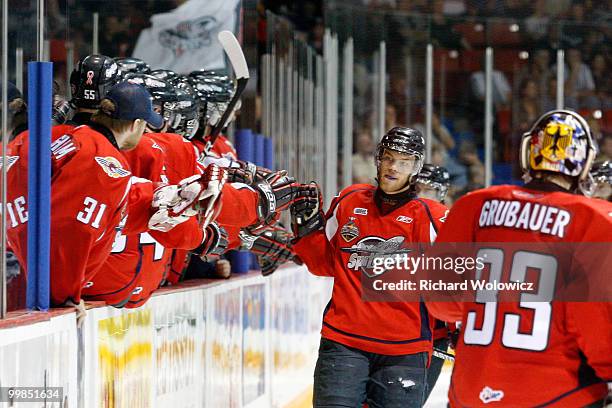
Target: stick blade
[232, 48]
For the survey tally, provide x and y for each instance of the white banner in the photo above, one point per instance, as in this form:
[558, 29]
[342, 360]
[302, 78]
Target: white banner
[185, 39]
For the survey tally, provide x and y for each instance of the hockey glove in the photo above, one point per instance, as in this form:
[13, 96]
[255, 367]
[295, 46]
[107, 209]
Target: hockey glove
[307, 215]
[198, 193]
[278, 191]
[273, 248]
[246, 172]
[214, 244]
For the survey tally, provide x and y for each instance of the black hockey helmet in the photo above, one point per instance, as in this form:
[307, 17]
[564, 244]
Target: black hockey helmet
[187, 108]
[214, 93]
[165, 99]
[129, 64]
[602, 172]
[403, 140]
[165, 74]
[436, 177]
[601, 176]
[92, 77]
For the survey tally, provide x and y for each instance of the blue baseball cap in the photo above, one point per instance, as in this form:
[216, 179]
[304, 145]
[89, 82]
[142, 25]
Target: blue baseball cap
[11, 91]
[133, 101]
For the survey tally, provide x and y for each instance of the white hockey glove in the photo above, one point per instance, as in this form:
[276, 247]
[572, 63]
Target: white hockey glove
[193, 195]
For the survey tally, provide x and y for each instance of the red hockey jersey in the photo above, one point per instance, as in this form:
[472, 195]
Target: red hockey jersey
[355, 230]
[90, 185]
[529, 354]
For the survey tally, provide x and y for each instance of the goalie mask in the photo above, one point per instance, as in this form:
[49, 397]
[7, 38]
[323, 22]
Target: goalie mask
[433, 182]
[559, 142]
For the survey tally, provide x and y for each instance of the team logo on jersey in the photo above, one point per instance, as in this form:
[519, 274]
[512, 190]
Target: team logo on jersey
[137, 290]
[360, 211]
[349, 231]
[112, 167]
[10, 160]
[404, 218]
[364, 252]
[488, 394]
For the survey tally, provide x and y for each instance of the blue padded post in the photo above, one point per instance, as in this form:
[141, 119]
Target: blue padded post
[245, 147]
[40, 85]
[269, 153]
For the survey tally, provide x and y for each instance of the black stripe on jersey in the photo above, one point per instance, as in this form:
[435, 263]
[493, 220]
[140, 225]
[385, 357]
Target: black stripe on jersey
[331, 209]
[358, 336]
[123, 302]
[428, 214]
[425, 330]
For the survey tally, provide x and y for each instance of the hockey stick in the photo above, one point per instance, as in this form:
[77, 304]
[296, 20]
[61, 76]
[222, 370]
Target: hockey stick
[443, 355]
[232, 48]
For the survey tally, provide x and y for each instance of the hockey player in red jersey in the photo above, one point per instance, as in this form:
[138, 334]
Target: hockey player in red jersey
[432, 182]
[92, 191]
[374, 352]
[534, 353]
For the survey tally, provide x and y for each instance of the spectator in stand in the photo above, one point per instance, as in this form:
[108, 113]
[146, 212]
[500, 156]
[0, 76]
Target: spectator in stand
[364, 170]
[536, 25]
[443, 35]
[539, 71]
[458, 172]
[468, 156]
[579, 83]
[575, 32]
[550, 99]
[501, 94]
[529, 108]
[390, 116]
[602, 80]
[605, 152]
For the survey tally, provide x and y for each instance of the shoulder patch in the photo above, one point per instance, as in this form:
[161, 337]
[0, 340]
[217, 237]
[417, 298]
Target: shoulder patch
[112, 167]
[10, 160]
[156, 146]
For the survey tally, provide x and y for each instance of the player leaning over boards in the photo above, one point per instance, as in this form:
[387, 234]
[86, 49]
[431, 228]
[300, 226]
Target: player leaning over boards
[535, 353]
[372, 352]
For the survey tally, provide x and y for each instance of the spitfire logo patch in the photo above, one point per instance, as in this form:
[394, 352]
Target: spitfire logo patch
[367, 249]
[10, 160]
[488, 394]
[349, 231]
[112, 167]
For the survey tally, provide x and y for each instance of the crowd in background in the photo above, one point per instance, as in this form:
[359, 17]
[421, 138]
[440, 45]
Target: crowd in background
[524, 35]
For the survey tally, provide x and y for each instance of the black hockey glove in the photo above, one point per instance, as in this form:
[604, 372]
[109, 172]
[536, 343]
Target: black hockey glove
[246, 172]
[273, 248]
[214, 244]
[307, 215]
[278, 191]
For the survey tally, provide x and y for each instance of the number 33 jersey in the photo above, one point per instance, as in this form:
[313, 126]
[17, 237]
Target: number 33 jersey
[524, 353]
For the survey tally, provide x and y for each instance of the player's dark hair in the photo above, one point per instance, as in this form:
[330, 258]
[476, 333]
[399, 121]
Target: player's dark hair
[103, 117]
[18, 117]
